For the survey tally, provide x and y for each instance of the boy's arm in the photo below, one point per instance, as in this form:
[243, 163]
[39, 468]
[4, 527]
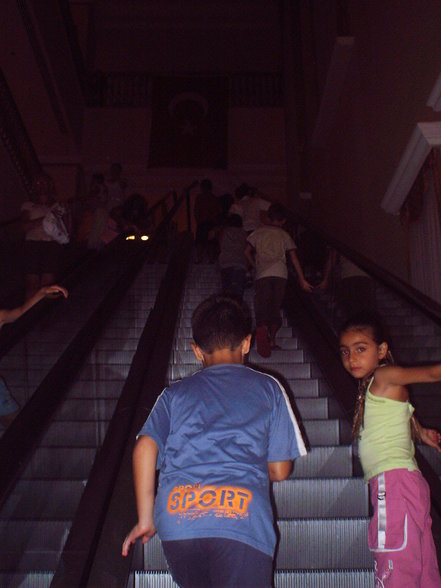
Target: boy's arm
[144, 472]
[305, 285]
[330, 263]
[9, 316]
[279, 470]
[249, 254]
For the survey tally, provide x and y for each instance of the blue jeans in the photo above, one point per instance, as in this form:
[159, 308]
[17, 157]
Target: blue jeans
[218, 563]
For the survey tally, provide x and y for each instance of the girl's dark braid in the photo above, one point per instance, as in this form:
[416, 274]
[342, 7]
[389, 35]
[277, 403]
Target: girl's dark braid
[358, 422]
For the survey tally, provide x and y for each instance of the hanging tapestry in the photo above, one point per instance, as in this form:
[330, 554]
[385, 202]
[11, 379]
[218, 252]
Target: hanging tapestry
[189, 122]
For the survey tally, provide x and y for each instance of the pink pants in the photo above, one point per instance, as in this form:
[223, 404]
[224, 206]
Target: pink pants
[400, 531]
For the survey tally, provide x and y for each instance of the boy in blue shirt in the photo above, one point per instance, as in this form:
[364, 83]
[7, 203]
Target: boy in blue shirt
[218, 438]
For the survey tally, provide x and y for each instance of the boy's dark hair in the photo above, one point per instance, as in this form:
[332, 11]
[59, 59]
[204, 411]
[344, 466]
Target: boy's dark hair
[220, 322]
[276, 212]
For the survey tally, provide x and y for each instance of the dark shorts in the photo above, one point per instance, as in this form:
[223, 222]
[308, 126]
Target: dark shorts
[203, 232]
[268, 298]
[42, 257]
[218, 563]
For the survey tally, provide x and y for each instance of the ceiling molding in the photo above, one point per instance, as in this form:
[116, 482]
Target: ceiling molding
[425, 136]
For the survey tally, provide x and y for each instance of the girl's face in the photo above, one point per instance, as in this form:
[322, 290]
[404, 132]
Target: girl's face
[359, 352]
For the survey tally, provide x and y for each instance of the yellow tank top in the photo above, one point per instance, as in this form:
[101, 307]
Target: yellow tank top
[386, 442]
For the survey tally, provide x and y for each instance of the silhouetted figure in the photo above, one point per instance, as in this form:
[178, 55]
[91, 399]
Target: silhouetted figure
[42, 253]
[208, 215]
[232, 260]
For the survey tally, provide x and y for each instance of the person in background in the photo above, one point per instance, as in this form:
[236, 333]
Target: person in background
[42, 254]
[132, 216]
[266, 251]
[116, 186]
[208, 214]
[232, 260]
[92, 209]
[135, 214]
[251, 206]
[355, 289]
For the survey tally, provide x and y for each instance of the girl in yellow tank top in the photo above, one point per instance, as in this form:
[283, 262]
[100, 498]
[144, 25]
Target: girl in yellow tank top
[400, 530]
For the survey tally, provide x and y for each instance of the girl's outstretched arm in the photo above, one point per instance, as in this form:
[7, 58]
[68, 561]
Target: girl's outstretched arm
[144, 471]
[392, 375]
[9, 316]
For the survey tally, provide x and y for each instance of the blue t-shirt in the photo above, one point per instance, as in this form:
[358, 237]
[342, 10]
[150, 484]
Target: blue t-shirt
[216, 431]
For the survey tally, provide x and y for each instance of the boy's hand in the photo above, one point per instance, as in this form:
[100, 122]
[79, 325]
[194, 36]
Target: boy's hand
[431, 437]
[323, 286]
[54, 291]
[138, 531]
[306, 286]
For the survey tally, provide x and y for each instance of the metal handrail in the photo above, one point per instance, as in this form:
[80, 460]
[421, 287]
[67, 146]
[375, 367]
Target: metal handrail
[162, 203]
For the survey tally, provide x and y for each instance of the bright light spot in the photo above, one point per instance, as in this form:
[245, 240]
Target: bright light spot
[130, 238]
[144, 237]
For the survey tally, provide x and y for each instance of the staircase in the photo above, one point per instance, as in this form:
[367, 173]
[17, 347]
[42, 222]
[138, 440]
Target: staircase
[322, 509]
[36, 518]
